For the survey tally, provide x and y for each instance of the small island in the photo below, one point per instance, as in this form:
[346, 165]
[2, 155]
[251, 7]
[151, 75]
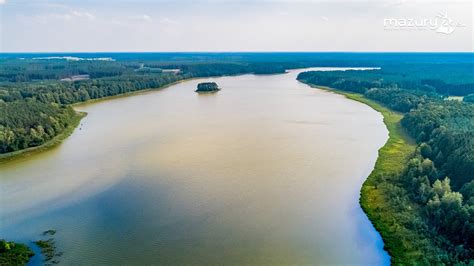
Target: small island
[207, 87]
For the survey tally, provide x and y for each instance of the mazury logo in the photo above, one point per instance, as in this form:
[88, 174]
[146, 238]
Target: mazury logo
[442, 23]
[447, 25]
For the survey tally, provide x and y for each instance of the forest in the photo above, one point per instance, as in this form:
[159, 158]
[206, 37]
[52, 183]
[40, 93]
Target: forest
[438, 178]
[445, 79]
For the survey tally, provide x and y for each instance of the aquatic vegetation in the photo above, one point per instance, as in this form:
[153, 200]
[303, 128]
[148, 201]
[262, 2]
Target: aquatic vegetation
[50, 232]
[48, 247]
[12, 253]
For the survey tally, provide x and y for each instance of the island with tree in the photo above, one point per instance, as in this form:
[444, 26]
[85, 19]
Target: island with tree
[207, 87]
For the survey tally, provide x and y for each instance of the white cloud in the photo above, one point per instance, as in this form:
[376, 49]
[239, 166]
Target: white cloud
[146, 18]
[141, 18]
[342, 25]
[66, 16]
[168, 21]
[83, 14]
[3, 2]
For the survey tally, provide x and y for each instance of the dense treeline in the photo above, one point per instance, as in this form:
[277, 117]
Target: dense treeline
[72, 92]
[233, 68]
[438, 179]
[440, 175]
[30, 70]
[446, 131]
[31, 123]
[399, 99]
[35, 70]
[449, 79]
[402, 100]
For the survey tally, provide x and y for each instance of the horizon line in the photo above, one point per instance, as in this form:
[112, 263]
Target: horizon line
[220, 52]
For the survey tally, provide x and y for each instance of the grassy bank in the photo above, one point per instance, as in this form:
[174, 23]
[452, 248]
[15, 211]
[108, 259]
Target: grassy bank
[376, 190]
[49, 144]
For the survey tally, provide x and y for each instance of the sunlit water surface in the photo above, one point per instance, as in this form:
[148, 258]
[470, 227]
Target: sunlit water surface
[266, 171]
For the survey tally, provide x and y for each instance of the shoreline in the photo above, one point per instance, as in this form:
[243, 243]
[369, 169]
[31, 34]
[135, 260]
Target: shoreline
[132, 93]
[11, 156]
[391, 159]
[20, 154]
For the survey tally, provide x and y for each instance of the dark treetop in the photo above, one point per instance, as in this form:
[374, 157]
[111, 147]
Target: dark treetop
[207, 87]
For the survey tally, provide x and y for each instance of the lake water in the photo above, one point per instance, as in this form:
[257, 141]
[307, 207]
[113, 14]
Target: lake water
[266, 171]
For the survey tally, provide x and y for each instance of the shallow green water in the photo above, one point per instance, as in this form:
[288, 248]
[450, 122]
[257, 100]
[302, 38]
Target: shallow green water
[266, 171]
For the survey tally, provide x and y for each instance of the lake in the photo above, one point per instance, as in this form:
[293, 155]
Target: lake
[266, 171]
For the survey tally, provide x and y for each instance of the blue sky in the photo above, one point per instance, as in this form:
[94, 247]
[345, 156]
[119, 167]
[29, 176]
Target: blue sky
[230, 25]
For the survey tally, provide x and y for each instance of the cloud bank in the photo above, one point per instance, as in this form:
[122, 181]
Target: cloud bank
[271, 25]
